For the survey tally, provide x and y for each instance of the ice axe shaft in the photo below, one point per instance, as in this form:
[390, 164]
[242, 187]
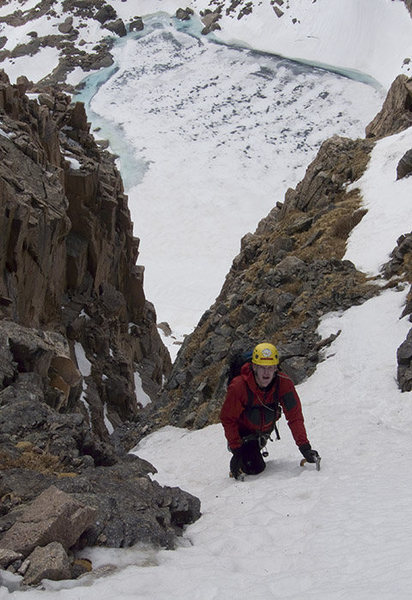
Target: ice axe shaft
[317, 462]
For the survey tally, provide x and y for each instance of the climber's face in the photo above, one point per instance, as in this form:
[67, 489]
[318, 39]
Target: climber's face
[264, 374]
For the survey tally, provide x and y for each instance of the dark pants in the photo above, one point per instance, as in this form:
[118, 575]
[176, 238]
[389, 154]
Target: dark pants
[252, 461]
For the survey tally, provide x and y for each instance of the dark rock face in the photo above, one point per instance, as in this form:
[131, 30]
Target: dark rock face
[68, 259]
[75, 331]
[405, 166]
[210, 20]
[404, 356]
[105, 13]
[399, 267]
[409, 5]
[396, 113]
[136, 24]
[184, 14]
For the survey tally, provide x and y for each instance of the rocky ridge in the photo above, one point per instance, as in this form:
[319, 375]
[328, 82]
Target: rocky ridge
[74, 51]
[76, 334]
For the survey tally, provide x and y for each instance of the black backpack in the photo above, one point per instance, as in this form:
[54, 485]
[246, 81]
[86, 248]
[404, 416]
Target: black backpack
[236, 362]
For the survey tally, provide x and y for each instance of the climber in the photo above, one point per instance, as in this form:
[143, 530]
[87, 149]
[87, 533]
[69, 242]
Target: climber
[253, 404]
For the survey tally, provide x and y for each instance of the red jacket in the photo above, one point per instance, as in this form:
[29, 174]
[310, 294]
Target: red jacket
[235, 410]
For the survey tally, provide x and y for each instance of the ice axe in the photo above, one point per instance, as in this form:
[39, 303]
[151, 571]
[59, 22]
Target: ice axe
[317, 462]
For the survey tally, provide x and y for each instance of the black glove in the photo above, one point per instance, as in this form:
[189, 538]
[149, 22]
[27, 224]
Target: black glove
[236, 462]
[308, 453]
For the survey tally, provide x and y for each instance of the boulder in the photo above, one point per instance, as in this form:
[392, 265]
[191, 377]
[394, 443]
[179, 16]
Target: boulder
[106, 13]
[210, 21]
[53, 517]
[47, 562]
[404, 168]
[395, 115]
[7, 557]
[404, 356]
[131, 508]
[136, 24]
[184, 14]
[66, 26]
[118, 27]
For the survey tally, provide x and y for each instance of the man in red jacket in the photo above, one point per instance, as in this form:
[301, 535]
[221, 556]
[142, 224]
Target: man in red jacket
[251, 408]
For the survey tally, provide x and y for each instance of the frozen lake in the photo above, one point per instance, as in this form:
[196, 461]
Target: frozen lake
[210, 137]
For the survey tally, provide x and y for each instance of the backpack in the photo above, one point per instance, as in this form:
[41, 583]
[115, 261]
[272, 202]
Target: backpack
[236, 362]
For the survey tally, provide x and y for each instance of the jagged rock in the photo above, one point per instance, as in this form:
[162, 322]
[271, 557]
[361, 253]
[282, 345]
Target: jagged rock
[400, 262]
[210, 21]
[399, 269]
[130, 507]
[45, 353]
[7, 557]
[48, 562]
[136, 24]
[404, 356]
[184, 14]
[404, 168]
[53, 517]
[165, 328]
[396, 113]
[339, 161]
[117, 27]
[106, 13]
[409, 5]
[66, 26]
[69, 251]
[408, 305]
[288, 267]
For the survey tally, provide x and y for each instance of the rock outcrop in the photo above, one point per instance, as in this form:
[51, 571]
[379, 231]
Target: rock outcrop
[400, 264]
[409, 5]
[54, 516]
[72, 299]
[68, 36]
[396, 113]
[76, 333]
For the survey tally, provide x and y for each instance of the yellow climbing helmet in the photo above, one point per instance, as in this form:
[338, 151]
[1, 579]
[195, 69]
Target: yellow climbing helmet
[265, 354]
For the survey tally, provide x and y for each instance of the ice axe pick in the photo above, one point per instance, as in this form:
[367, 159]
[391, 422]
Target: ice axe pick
[317, 462]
